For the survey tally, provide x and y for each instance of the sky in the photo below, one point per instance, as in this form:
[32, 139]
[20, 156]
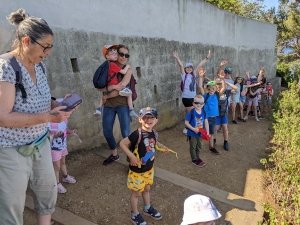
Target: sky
[271, 3]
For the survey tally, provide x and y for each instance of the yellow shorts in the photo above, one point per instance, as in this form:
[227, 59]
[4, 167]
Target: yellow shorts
[138, 181]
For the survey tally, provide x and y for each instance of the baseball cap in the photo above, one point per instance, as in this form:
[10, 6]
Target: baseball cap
[212, 83]
[228, 70]
[199, 208]
[188, 64]
[269, 83]
[106, 47]
[254, 79]
[148, 110]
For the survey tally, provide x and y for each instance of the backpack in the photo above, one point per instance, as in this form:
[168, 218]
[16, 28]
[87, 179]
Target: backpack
[183, 81]
[101, 77]
[15, 65]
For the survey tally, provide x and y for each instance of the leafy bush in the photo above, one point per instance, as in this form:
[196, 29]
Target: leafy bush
[283, 165]
[283, 71]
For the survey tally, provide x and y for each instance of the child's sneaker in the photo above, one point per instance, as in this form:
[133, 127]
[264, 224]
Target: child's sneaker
[138, 220]
[245, 118]
[132, 113]
[98, 112]
[261, 118]
[256, 118]
[61, 189]
[200, 163]
[215, 151]
[69, 179]
[153, 213]
[125, 92]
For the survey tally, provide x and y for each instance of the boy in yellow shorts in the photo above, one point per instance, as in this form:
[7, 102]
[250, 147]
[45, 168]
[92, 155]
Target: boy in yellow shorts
[142, 144]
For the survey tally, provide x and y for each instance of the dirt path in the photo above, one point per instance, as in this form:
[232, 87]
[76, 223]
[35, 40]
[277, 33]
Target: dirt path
[101, 195]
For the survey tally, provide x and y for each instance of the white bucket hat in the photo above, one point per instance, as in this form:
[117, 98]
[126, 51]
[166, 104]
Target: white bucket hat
[199, 208]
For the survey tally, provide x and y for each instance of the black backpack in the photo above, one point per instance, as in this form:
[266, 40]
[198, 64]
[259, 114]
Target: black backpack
[15, 65]
[101, 78]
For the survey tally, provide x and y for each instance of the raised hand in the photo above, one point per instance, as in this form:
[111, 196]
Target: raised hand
[175, 54]
[221, 74]
[262, 70]
[247, 72]
[201, 72]
[223, 63]
[208, 54]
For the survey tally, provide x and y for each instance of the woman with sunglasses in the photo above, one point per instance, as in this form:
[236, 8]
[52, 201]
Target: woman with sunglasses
[116, 105]
[24, 116]
[189, 81]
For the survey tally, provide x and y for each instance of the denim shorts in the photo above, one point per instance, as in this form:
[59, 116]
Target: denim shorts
[222, 120]
[212, 124]
[243, 98]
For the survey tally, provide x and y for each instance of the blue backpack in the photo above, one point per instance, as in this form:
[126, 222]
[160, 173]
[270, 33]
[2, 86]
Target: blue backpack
[101, 77]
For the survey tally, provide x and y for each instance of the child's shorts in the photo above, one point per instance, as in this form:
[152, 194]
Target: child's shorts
[252, 101]
[187, 102]
[243, 98]
[138, 181]
[222, 120]
[57, 155]
[268, 101]
[212, 124]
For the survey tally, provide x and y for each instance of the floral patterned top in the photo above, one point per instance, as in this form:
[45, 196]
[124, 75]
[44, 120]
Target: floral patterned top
[38, 101]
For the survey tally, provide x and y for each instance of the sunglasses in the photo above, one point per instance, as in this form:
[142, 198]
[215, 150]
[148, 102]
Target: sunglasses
[122, 54]
[199, 103]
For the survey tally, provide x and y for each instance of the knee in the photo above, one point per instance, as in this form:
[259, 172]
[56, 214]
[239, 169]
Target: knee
[56, 166]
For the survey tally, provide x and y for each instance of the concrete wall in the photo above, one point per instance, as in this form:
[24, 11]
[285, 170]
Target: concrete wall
[152, 30]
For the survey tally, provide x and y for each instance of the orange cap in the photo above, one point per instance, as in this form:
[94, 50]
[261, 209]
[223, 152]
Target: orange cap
[106, 47]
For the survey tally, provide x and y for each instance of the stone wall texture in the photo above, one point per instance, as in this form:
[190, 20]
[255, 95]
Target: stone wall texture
[152, 30]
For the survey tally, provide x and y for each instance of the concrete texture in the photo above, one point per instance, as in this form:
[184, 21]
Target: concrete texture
[152, 30]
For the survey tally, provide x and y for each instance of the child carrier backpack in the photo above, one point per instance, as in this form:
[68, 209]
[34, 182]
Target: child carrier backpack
[15, 65]
[183, 81]
[101, 77]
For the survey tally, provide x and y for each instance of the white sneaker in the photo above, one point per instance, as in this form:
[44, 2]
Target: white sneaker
[256, 118]
[61, 189]
[246, 117]
[69, 179]
[97, 113]
[184, 131]
[125, 92]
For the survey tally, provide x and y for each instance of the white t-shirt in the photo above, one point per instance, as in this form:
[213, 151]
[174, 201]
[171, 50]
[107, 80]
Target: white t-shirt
[38, 101]
[59, 143]
[190, 86]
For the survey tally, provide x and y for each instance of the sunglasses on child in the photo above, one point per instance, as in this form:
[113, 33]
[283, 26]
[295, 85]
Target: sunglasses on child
[123, 54]
[199, 103]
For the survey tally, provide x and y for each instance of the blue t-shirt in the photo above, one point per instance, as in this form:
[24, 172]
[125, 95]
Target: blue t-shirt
[196, 121]
[211, 106]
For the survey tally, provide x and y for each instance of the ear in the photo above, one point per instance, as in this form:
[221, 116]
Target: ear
[26, 41]
[140, 119]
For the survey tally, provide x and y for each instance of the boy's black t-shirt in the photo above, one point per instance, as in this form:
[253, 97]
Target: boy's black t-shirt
[147, 144]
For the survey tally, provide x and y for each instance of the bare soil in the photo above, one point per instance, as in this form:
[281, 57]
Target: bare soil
[101, 196]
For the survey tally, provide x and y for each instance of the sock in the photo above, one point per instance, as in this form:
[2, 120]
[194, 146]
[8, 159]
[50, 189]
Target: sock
[65, 176]
[134, 214]
[225, 141]
[147, 207]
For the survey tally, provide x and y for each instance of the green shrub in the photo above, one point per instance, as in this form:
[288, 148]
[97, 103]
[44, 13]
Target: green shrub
[283, 165]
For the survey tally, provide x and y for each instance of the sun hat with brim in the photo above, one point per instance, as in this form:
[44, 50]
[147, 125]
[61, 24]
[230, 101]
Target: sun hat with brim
[199, 208]
[188, 64]
[212, 83]
[106, 47]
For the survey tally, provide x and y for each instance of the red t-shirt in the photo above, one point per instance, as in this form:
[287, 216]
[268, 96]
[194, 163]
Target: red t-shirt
[113, 68]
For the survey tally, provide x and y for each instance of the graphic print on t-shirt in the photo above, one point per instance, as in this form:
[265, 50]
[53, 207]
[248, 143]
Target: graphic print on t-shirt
[150, 150]
[59, 143]
[199, 122]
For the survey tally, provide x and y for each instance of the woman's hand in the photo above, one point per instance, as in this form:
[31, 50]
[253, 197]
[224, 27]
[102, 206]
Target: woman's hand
[57, 115]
